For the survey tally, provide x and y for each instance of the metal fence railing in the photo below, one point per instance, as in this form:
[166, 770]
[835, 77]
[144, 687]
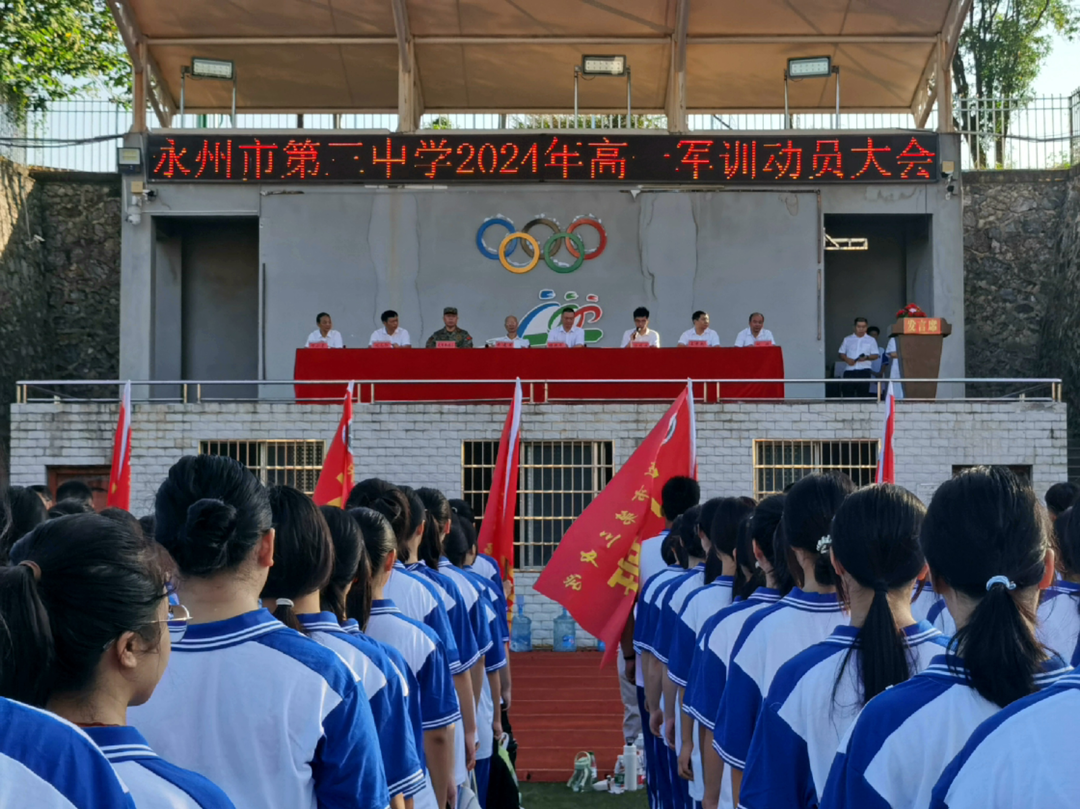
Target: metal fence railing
[1035, 133]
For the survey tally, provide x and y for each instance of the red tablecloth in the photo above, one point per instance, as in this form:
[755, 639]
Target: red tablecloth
[545, 373]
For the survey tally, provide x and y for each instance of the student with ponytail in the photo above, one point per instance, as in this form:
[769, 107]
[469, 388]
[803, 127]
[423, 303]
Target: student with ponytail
[274, 718]
[1058, 627]
[717, 528]
[815, 696]
[771, 637]
[303, 565]
[86, 635]
[713, 652]
[986, 541]
[423, 652]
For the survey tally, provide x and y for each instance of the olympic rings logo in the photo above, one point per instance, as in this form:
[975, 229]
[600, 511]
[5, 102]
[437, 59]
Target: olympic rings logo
[532, 248]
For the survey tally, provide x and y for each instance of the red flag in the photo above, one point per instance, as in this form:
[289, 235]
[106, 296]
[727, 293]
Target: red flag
[886, 468]
[595, 571]
[119, 495]
[497, 529]
[336, 478]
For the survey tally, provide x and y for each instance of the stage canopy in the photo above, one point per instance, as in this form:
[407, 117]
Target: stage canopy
[514, 56]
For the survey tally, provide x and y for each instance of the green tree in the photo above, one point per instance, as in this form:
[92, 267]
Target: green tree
[55, 49]
[1001, 49]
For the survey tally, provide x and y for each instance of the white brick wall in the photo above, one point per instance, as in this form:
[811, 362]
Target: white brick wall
[420, 444]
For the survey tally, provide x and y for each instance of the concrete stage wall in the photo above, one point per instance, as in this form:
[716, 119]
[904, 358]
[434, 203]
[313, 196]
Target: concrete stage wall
[354, 251]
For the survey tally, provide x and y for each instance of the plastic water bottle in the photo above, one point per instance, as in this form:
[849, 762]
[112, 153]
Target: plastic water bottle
[565, 633]
[521, 631]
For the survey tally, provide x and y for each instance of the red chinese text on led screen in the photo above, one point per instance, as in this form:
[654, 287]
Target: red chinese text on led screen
[696, 155]
[916, 157]
[608, 158]
[302, 159]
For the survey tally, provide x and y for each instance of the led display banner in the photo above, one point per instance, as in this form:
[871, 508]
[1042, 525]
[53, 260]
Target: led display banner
[563, 157]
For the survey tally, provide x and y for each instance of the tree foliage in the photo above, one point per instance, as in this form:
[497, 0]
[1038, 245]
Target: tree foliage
[55, 49]
[1001, 50]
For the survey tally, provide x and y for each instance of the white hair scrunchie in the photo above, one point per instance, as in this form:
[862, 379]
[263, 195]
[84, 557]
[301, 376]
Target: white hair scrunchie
[1011, 585]
[823, 544]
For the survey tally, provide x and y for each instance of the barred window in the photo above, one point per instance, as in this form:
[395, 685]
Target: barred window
[284, 463]
[778, 464]
[556, 481]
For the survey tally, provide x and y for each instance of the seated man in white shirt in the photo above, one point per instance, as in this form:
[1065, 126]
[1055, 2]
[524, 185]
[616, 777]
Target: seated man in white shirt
[756, 333]
[566, 332]
[511, 338]
[858, 351]
[390, 332]
[325, 334]
[641, 333]
[701, 333]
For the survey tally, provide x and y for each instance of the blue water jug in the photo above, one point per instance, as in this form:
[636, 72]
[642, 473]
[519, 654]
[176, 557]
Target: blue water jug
[565, 633]
[521, 630]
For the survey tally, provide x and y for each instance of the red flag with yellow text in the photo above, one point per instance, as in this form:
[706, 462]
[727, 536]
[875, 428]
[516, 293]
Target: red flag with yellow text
[336, 478]
[497, 530]
[119, 495]
[595, 571]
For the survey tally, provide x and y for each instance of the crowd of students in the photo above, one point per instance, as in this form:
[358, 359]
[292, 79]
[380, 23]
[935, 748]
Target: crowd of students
[847, 649]
[243, 647]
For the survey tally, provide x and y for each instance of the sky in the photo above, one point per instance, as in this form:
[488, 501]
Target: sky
[1060, 74]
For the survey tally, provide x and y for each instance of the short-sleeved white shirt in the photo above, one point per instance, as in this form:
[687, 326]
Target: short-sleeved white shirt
[399, 338]
[332, 338]
[574, 338]
[746, 338]
[854, 346]
[519, 342]
[711, 338]
[651, 337]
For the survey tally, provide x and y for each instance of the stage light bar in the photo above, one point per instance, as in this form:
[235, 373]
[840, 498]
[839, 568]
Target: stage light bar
[212, 69]
[816, 67]
[603, 65]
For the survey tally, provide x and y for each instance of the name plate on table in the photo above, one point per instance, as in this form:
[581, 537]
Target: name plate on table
[386, 344]
[556, 345]
[640, 344]
[317, 345]
[503, 345]
[698, 344]
[922, 325]
[763, 344]
[445, 344]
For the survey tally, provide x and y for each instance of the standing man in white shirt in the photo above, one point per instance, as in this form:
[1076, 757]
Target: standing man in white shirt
[325, 333]
[701, 333]
[390, 332]
[858, 351]
[641, 333]
[511, 326]
[755, 333]
[566, 332]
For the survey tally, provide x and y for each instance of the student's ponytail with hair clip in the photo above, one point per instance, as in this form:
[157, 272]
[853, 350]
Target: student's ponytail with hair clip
[984, 524]
[875, 538]
[808, 511]
[391, 502]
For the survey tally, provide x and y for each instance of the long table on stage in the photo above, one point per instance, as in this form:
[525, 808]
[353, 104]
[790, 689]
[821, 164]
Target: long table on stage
[433, 375]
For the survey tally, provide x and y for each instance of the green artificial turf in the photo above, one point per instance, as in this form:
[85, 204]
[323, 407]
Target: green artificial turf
[559, 796]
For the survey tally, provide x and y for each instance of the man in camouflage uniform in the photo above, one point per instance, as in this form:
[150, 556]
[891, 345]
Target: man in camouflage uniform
[450, 331]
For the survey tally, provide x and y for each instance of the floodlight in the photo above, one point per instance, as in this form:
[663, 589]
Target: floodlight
[212, 69]
[603, 65]
[129, 159]
[815, 67]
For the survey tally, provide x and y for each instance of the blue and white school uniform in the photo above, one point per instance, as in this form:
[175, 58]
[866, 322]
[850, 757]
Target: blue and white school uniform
[903, 739]
[807, 712]
[497, 599]
[494, 659]
[655, 775]
[673, 599]
[270, 716]
[48, 763]
[1023, 756]
[153, 781]
[923, 599]
[416, 597]
[709, 668]
[487, 567]
[941, 618]
[769, 639]
[1058, 627]
[387, 693]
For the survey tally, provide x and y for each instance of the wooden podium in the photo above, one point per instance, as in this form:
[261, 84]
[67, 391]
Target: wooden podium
[918, 342]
